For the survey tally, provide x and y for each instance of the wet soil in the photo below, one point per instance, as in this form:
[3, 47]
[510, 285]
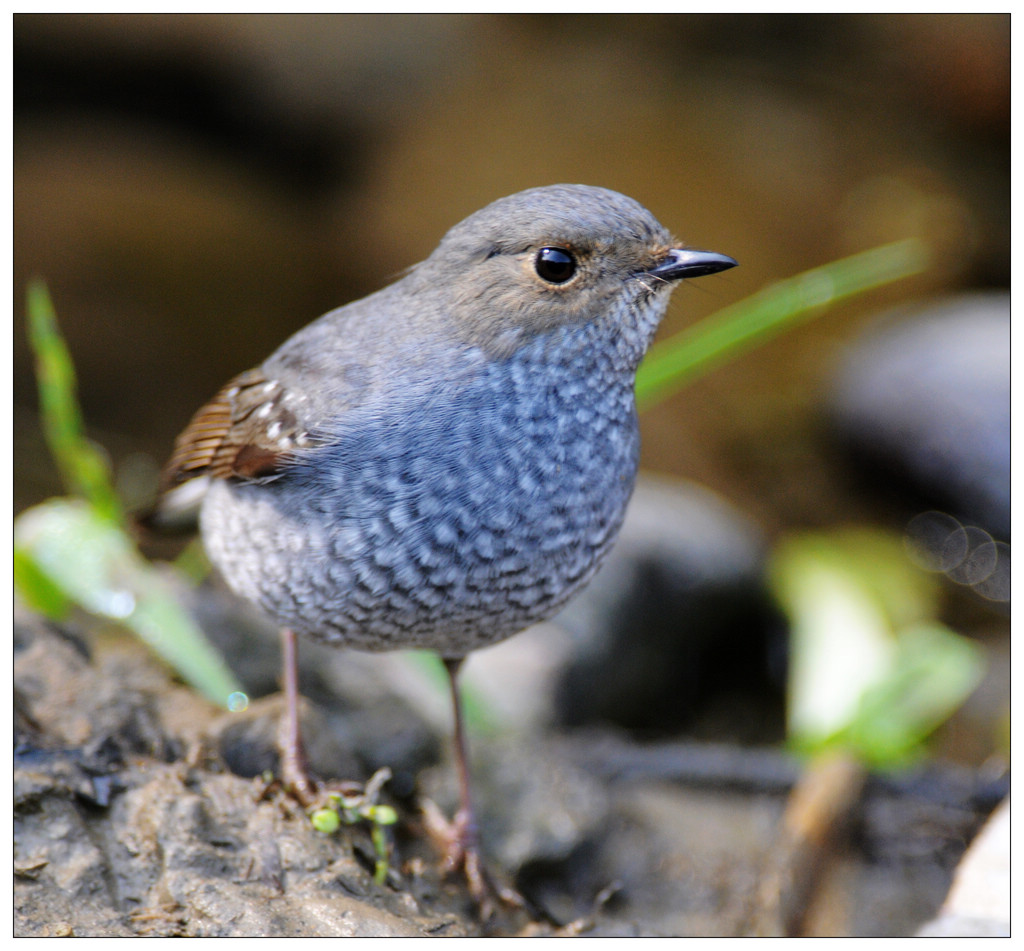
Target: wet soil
[130, 821]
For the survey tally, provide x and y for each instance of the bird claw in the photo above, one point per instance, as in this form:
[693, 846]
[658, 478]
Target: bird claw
[457, 839]
[312, 794]
[295, 778]
[296, 782]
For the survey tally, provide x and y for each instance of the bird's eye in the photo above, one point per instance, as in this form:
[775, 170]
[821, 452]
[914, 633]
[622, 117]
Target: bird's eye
[555, 265]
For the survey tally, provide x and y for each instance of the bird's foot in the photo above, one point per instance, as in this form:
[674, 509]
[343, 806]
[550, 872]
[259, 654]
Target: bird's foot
[301, 786]
[308, 792]
[459, 844]
[358, 800]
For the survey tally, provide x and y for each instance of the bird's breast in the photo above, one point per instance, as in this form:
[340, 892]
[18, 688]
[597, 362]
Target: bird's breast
[469, 515]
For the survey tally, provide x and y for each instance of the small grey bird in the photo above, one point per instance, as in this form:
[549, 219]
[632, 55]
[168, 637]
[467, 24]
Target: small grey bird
[447, 461]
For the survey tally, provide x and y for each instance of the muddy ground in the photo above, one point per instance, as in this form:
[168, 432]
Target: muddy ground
[140, 809]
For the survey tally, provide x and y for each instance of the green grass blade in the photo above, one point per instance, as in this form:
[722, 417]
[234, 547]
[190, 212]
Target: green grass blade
[672, 364]
[39, 591]
[82, 466]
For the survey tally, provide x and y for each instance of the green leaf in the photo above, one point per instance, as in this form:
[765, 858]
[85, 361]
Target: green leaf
[326, 820]
[382, 814]
[90, 561]
[37, 588]
[933, 672]
[82, 466]
[871, 670]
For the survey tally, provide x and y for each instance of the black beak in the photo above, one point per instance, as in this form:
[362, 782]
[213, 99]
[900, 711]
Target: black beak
[682, 263]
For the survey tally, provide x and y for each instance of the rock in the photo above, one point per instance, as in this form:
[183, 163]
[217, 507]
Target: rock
[924, 399]
[677, 629]
[978, 904]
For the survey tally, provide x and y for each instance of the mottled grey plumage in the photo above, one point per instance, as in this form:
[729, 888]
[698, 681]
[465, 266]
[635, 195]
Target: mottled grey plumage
[447, 461]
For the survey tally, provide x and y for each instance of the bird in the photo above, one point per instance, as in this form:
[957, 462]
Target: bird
[446, 461]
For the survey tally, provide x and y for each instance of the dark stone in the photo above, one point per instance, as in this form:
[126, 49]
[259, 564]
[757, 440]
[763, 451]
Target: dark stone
[922, 403]
[682, 634]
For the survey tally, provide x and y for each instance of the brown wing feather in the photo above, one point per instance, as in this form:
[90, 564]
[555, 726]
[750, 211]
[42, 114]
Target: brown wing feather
[243, 432]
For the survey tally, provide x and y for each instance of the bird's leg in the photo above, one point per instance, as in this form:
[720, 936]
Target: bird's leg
[463, 840]
[294, 771]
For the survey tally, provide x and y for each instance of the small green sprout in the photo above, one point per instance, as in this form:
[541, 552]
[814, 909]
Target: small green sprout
[361, 807]
[325, 820]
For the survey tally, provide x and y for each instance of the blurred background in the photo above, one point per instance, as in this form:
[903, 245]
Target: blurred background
[196, 188]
